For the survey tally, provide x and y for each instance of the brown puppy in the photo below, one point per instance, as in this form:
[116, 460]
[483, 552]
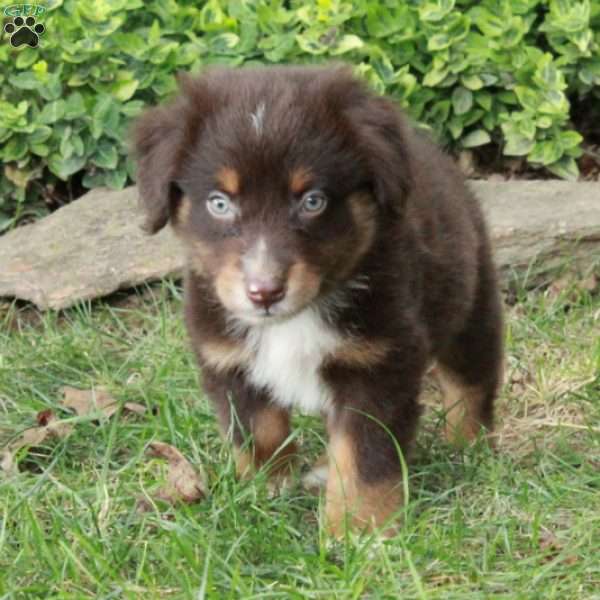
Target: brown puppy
[333, 254]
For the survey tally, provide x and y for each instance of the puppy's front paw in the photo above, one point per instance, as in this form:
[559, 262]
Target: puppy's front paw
[316, 479]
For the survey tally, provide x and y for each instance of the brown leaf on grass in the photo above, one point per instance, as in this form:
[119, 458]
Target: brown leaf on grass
[48, 426]
[85, 402]
[551, 544]
[590, 283]
[184, 484]
[134, 407]
[573, 283]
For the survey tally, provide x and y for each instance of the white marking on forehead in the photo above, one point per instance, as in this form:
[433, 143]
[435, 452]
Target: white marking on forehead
[258, 118]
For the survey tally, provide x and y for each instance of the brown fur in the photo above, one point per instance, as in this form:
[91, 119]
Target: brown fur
[349, 496]
[393, 272]
[269, 428]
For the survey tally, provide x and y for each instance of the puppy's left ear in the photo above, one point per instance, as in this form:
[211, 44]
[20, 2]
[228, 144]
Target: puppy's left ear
[383, 137]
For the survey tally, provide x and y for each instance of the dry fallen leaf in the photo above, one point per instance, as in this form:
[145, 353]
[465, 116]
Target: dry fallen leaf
[573, 282]
[134, 407]
[184, 484]
[85, 402]
[49, 426]
[551, 544]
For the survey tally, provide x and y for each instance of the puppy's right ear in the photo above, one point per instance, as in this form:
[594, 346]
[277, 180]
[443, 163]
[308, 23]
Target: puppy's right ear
[161, 138]
[157, 145]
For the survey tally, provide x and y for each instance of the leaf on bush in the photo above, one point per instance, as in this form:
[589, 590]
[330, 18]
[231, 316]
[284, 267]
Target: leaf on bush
[184, 483]
[14, 149]
[346, 44]
[25, 81]
[546, 152]
[40, 149]
[570, 139]
[462, 100]
[518, 145]
[435, 11]
[472, 82]
[437, 74]
[52, 112]
[106, 155]
[225, 43]
[478, 137]
[63, 168]
[439, 41]
[132, 108]
[40, 134]
[26, 58]
[48, 426]
[74, 106]
[123, 90]
[105, 116]
[566, 168]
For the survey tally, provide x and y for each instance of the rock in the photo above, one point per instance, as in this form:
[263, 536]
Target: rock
[541, 221]
[95, 246]
[87, 249]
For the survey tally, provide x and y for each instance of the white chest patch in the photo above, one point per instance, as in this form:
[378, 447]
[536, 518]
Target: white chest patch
[288, 357]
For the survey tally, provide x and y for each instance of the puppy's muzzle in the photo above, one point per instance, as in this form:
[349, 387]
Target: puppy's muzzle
[264, 275]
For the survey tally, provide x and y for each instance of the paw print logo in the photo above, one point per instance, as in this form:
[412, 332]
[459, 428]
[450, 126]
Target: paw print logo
[24, 31]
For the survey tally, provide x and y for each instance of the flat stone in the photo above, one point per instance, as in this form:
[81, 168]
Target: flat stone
[86, 249]
[546, 222]
[95, 245]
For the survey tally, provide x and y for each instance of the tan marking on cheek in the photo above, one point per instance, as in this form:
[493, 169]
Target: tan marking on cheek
[345, 252]
[229, 180]
[461, 403]
[229, 282]
[225, 354]
[300, 178]
[362, 353]
[365, 505]
[362, 207]
[184, 212]
[199, 256]
[303, 284]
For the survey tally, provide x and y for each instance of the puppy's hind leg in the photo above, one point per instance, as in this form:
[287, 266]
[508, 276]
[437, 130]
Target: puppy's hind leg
[470, 369]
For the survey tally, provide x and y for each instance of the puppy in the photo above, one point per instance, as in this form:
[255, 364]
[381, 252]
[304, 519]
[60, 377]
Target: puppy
[333, 254]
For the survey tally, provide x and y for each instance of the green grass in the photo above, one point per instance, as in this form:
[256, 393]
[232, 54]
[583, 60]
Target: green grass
[523, 522]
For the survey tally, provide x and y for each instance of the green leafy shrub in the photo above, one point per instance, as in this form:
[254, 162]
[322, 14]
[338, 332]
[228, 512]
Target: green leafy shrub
[477, 72]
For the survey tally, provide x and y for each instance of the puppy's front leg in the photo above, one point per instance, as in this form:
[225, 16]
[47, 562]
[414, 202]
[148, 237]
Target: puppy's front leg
[368, 430]
[257, 428]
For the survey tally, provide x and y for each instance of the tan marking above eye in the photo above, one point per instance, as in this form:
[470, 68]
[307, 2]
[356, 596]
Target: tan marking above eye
[300, 178]
[229, 180]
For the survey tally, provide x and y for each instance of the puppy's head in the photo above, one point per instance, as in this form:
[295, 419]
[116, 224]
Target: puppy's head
[277, 179]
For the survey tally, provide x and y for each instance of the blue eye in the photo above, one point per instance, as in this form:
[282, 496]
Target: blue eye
[219, 205]
[313, 203]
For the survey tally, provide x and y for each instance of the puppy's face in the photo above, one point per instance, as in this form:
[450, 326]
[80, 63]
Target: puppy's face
[268, 186]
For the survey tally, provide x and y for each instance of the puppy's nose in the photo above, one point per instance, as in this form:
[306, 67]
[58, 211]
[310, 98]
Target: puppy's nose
[265, 292]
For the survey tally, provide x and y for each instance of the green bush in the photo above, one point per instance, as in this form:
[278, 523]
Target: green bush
[477, 72]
